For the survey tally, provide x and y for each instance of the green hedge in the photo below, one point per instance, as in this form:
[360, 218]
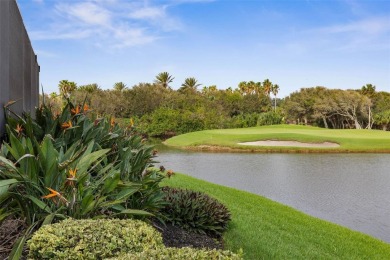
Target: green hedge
[180, 254]
[93, 239]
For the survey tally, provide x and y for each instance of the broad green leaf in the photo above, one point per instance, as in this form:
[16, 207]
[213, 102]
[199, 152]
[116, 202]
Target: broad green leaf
[8, 163]
[136, 212]
[16, 148]
[111, 183]
[8, 182]
[48, 219]
[24, 156]
[111, 203]
[87, 200]
[88, 159]
[48, 158]
[126, 193]
[17, 249]
[39, 203]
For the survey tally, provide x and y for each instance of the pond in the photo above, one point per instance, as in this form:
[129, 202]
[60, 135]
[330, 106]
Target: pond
[352, 190]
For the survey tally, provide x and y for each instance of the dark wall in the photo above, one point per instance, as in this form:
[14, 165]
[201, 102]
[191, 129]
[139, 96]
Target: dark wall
[19, 69]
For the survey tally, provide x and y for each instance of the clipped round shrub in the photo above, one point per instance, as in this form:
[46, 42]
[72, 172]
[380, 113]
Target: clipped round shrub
[92, 239]
[180, 254]
[195, 211]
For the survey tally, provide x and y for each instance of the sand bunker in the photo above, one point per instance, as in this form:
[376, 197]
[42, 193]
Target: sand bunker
[291, 144]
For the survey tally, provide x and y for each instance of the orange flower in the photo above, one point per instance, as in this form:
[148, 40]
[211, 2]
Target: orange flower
[67, 125]
[19, 129]
[85, 108]
[54, 193]
[71, 178]
[75, 111]
[112, 121]
[72, 173]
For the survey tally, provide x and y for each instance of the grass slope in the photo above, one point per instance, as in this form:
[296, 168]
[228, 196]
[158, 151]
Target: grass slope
[265, 229]
[350, 140]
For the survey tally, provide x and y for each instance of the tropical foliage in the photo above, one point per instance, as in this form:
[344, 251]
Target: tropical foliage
[68, 165]
[191, 109]
[195, 211]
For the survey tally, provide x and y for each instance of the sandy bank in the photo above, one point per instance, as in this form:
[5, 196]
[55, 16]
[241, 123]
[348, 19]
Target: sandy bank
[291, 144]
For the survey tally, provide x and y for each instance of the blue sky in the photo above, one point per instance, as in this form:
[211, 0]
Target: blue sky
[337, 43]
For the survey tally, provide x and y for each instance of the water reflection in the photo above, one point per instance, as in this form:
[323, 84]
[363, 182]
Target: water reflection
[349, 189]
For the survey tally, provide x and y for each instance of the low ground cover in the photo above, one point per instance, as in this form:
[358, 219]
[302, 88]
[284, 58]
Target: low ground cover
[269, 230]
[110, 239]
[350, 140]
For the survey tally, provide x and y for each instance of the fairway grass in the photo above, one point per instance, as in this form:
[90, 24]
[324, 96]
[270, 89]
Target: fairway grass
[350, 140]
[265, 229]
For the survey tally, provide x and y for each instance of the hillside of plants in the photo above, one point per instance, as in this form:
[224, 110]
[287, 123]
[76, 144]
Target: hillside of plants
[160, 111]
[77, 186]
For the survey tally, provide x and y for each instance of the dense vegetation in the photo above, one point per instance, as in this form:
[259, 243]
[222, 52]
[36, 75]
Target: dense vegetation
[160, 111]
[67, 165]
[71, 165]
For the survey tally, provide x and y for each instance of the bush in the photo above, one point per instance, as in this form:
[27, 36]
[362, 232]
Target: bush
[92, 239]
[68, 165]
[195, 211]
[269, 118]
[181, 253]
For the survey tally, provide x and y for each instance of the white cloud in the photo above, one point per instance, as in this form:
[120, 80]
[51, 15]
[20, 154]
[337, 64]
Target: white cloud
[61, 34]
[112, 23]
[152, 13]
[360, 35]
[367, 26]
[86, 12]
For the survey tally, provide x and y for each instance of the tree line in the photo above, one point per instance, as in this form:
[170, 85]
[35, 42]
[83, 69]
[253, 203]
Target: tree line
[158, 110]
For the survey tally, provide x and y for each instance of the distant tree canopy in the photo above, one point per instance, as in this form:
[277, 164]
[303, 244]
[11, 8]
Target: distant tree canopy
[335, 108]
[158, 110]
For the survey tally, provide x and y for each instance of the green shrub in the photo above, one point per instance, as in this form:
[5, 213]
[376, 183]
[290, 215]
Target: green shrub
[92, 239]
[195, 211]
[69, 165]
[244, 120]
[180, 254]
[269, 118]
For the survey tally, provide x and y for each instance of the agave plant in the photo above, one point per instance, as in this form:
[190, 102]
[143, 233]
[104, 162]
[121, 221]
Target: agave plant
[68, 165]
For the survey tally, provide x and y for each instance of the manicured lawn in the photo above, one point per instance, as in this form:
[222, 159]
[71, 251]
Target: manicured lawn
[350, 140]
[265, 229]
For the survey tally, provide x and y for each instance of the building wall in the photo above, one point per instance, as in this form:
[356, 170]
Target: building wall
[19, 69]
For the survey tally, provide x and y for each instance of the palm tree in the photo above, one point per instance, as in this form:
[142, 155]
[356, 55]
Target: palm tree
[267, 86]
[163, 79]
[67, 87]
[89, 88]
[243, 87]
[190, 83]
[368, 90]
[275, 90]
